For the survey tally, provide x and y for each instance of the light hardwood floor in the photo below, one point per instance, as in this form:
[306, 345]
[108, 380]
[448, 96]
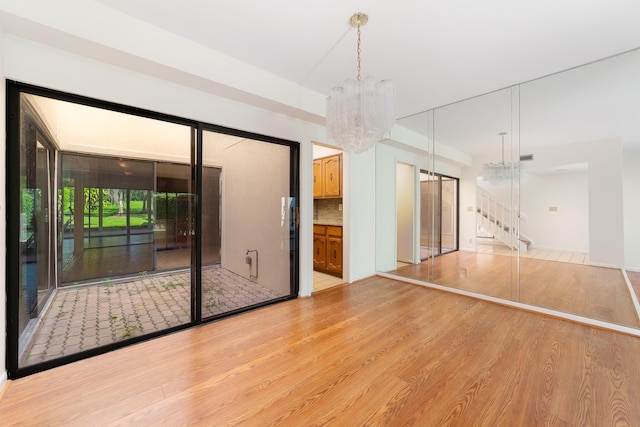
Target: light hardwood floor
[376, 352]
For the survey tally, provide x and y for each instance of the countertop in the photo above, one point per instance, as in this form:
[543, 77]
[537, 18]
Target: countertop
[327, 222]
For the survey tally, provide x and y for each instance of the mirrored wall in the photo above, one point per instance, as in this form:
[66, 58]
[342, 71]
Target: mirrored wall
[549, 178]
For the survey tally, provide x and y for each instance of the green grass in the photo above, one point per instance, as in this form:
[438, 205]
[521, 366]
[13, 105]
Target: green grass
[111, 219]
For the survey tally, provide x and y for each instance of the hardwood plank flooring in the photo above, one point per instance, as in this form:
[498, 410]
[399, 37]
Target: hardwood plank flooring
[584, 290]
[376, 352]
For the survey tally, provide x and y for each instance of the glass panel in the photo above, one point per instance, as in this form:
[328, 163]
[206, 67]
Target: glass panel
[578, 209]
[405, 212]
[36, 272]
[475, 126]
[426, 217]
[449, 215]
[429, 218]
[107, 232]
[115, 172]
[211, 226]
[246, 195]
[174, 226]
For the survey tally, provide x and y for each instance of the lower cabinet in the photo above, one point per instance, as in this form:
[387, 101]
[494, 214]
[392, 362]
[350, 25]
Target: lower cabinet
[327, 249]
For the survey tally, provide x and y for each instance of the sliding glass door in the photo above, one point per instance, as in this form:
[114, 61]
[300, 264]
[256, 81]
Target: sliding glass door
[125, 224]
[438, 215]
[248, 222]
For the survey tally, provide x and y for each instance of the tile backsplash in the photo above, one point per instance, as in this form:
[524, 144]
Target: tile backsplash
[327, 210]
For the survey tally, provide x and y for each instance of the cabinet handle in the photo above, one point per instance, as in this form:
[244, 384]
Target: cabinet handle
[335, 255]
[331, 176]
[314, 179]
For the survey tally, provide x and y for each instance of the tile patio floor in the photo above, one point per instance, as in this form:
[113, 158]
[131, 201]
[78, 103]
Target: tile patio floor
[86, 317]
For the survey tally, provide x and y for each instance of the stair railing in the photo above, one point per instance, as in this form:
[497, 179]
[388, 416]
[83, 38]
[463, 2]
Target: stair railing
[498, 218]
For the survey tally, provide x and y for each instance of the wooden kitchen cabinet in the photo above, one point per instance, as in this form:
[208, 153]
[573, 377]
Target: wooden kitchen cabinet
[334, 249]
[317, 178]
[332, 170]
[327, 177]
[319, 247]
[327, 249]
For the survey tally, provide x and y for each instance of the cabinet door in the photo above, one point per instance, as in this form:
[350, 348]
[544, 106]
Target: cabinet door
[334, 254]
[332, 182]
[317, 178]
[319, 251]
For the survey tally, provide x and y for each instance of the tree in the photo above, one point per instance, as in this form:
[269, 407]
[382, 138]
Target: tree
[92, 198]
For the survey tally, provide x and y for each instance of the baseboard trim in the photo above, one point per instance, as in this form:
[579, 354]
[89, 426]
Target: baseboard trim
[599, 264]
[4, 383]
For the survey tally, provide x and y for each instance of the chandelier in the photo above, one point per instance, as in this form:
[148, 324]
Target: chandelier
[500, 173]
[360, 112]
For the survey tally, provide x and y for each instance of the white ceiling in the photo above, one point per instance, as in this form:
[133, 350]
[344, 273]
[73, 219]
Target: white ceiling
[437, 52]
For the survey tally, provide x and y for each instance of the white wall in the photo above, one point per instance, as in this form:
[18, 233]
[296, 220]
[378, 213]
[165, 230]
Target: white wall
[359, 186]
[631, 209]
[566, 229]
[468, 233]
[322, 151]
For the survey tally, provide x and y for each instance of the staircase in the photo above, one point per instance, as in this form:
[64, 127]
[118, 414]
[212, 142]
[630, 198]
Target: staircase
[501, 221]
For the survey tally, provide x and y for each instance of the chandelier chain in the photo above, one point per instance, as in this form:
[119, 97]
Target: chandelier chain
[358, 51]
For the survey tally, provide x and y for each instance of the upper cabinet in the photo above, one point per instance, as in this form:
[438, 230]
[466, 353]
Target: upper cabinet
[317, 178]
[327, 177]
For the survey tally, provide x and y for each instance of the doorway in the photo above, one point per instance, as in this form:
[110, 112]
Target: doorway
[405, 212]
[328, 233]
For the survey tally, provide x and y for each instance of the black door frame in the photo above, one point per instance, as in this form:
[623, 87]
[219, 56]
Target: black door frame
[457, 213]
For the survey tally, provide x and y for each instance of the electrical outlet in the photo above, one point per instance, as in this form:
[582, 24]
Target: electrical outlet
[340, 207]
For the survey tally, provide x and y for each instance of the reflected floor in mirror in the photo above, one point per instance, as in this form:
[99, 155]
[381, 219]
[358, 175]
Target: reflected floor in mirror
[594, 292]
[537, 253]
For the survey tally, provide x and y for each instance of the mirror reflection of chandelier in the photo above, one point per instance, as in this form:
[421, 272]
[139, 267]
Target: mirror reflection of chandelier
[360, 112]
[503, 172]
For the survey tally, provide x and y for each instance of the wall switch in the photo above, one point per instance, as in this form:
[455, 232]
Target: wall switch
[553, 209]
[469, 208]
